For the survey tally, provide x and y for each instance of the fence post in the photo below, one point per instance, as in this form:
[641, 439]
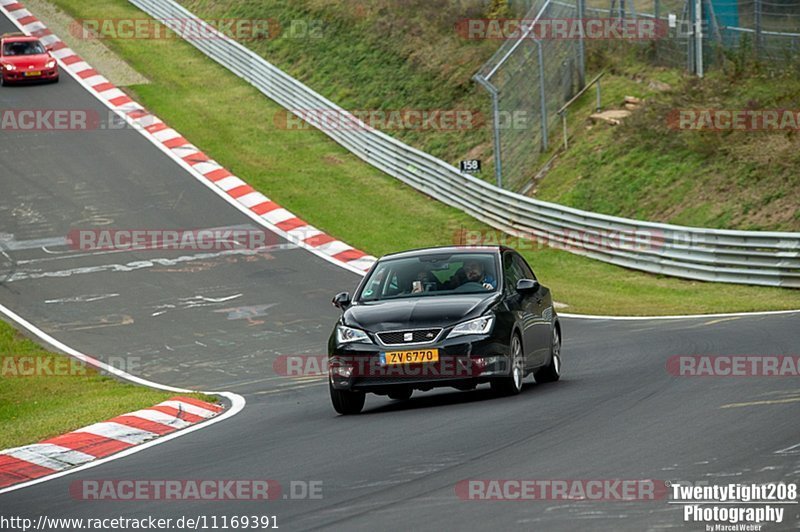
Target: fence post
[598, 107]
[698, 36]
[542, 99]
[757, 23]
[581, 46]
[690, 42]
[498, 163]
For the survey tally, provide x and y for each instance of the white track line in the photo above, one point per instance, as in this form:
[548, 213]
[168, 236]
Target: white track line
[237, 401]
[678, 317]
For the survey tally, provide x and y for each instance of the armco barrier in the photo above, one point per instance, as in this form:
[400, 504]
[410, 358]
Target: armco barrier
[747, 257]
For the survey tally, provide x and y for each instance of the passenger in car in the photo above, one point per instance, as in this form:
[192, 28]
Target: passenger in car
[425, 281]
[472, 271]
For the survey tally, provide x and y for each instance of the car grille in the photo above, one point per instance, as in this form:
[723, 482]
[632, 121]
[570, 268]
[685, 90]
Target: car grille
[417, 336]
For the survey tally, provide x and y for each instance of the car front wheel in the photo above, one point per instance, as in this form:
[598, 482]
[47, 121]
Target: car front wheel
[346, 402]
[512, 383]
[552, 371]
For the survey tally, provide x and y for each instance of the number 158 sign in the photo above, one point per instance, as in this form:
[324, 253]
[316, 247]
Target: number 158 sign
[470, 166]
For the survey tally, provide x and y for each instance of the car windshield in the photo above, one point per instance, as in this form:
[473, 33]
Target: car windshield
[431, 275]
[23, 48]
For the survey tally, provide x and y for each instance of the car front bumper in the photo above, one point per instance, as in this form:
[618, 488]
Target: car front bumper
[18, 76]
[463, 362]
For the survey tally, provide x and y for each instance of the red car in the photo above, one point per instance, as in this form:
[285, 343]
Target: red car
[24, 58]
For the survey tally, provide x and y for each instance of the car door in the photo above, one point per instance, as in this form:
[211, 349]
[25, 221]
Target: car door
[522, 305]
[539, 305]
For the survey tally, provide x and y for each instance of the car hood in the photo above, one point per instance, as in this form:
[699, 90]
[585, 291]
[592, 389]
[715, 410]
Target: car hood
[418, 312]
[25, 61]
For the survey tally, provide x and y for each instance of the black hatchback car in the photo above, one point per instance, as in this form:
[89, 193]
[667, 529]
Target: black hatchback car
[448, 316]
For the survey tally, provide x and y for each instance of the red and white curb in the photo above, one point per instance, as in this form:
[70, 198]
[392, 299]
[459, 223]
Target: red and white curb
[22, 464]
[111, 440]
[269, 213]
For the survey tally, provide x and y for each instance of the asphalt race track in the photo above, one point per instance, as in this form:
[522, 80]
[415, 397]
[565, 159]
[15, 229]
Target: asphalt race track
[218, 321]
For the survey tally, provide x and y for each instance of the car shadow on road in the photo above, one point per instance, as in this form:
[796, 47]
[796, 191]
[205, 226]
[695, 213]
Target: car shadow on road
[455, 397]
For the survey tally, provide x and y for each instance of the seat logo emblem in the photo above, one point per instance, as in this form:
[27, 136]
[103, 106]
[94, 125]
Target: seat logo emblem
[407, 337]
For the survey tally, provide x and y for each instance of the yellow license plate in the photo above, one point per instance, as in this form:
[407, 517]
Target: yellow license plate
[33, 73]
[417, 356]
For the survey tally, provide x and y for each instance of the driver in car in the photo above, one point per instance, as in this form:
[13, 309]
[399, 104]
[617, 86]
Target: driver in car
[471, 272]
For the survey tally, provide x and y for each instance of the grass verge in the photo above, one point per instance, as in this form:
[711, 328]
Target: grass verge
[44, 394]
[322, 183]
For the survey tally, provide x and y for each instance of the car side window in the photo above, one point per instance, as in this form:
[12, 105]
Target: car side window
[512, 272]
[392, 286]
[527, 272]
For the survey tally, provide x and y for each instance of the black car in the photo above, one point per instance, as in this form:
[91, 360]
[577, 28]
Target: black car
[448, 316]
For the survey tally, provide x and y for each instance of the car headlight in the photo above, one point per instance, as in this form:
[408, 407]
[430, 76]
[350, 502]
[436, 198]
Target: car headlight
[50, 64]
[482, 325]
[9, 67]
[348, 335]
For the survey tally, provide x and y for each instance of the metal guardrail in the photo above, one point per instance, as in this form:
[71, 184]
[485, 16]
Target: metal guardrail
[747, 257]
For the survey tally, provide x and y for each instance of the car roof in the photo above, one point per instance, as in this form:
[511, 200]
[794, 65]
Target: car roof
[443, 250]
[12, 37]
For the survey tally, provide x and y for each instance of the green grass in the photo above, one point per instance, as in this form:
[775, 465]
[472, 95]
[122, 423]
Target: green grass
[39, 406]
[382, 54]
[322, 183]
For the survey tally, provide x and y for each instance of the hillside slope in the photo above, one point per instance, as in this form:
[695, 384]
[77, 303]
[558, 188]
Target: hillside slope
[390, 55]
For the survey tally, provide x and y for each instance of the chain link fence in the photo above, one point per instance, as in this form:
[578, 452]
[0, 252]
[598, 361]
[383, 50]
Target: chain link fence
[530, 77]
[768, 28]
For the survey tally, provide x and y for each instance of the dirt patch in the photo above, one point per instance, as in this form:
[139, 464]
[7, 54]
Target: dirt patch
[332, 160]
[612, 116]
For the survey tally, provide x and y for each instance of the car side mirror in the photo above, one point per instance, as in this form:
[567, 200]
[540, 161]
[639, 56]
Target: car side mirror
[527, 285]
[341, 300]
